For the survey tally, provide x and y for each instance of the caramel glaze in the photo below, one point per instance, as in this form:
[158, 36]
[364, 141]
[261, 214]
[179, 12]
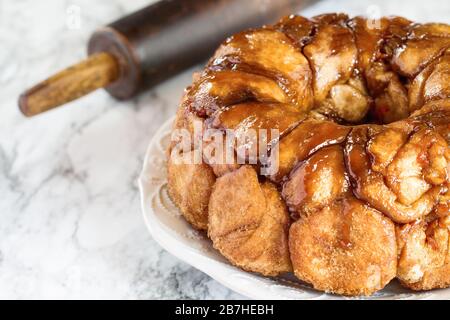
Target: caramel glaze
[305, 77]
[363, 109]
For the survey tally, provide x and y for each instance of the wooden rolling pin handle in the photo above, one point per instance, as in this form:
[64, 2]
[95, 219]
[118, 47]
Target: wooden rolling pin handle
[97, 71]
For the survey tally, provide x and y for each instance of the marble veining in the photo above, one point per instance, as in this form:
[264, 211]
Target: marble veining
[71, 225]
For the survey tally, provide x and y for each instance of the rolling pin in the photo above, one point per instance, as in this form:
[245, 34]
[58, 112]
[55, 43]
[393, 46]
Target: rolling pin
[150, 45]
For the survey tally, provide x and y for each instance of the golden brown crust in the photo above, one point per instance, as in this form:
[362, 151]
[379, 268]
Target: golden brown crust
[303, 141]
[185, 123]
[264, 51]
[363, 111]
[248, 223]
[317, 182]
[346, 248]
[402, 188]
[424, 255]
[190, 187]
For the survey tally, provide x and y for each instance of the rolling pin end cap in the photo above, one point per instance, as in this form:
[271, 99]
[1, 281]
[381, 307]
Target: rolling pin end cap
[23, 105]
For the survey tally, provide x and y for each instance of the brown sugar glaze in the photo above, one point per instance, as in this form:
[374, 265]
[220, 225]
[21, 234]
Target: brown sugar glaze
[363, 111]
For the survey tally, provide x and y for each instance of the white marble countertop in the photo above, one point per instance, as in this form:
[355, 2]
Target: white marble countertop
[70, 223]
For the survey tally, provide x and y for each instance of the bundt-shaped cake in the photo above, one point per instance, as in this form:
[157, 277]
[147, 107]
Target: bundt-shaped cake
[361, 194]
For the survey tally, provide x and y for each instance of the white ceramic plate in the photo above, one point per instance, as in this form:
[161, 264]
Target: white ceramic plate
[173, 233]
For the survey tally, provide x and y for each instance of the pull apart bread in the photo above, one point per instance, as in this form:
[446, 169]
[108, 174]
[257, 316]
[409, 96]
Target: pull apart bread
[361, 194]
